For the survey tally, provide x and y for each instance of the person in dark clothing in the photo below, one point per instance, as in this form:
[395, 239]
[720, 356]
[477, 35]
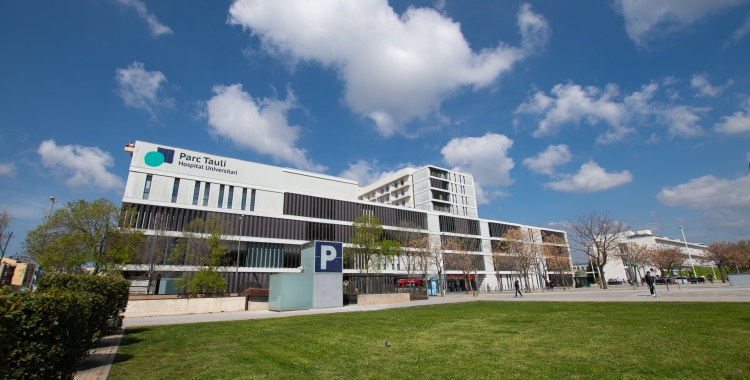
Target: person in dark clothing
[517, 285]
[650, 281]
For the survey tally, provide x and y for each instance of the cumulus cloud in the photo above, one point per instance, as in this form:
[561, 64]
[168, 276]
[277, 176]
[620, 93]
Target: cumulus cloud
[395, 68]
[546, 161]
[139, 88]
[83, 166]
[486, 157]
[737, 123]
[157, 28]
[8, 169]
[258, 124]
[364, 172]
[703, 86]
[725, 202]
[572, 103]
[708, 192]
[589, 179]
[649, 19]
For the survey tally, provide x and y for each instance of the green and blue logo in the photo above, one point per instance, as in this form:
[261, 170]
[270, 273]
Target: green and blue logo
[159, 157]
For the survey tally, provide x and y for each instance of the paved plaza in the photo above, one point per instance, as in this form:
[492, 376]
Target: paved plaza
[684, 293]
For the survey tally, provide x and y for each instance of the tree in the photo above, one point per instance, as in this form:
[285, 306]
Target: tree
[84, 233]
[597, 236]
[431, 252]
[5, 220]
[367, 250]
[666, 258]
[556, 257]
[154, 250]
[723, 255]
[523, 251]
[409, 237]
[202, 244]
[633, 253]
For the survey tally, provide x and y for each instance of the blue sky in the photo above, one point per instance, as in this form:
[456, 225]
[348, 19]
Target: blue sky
[636, 107]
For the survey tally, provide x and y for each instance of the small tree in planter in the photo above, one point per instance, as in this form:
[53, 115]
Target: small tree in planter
[202, 244]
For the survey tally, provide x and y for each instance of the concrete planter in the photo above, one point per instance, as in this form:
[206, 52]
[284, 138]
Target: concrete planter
[180, 306]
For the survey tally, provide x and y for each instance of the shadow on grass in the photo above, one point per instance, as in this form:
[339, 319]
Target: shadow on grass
[120, 358]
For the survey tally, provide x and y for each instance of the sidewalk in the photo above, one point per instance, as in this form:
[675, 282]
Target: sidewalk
[686, 293]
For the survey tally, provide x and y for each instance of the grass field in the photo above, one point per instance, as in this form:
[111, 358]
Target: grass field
[529, 340]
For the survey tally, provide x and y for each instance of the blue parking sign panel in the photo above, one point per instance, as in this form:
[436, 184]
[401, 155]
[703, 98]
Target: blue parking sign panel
[329, 257]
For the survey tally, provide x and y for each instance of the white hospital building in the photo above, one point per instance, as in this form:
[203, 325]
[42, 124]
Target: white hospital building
[272, 211]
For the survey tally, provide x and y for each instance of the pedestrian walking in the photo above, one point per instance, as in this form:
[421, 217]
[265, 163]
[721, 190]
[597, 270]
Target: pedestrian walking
[517, 285]
[650, 281]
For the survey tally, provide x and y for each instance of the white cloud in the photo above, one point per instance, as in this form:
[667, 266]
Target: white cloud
[486, 157]
[485, 197]
[737, 123]
[8, 169]
[83, 166]
[648, 19]
[725, 202]
[708, 192]
[157, 28]
[546, 161]
[258, 124]
[739, 33]
[589, 179]
[703, 87]
[139, 88]
[395, 68]
[571, 103]
[364, 172]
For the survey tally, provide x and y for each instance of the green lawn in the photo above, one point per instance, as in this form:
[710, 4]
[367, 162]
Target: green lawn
[529, 340]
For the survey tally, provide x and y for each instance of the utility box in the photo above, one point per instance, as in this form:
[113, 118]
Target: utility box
[319, 284]
[290, 291]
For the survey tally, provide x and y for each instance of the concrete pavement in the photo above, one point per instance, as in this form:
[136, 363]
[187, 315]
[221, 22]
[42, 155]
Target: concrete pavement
[685, 293]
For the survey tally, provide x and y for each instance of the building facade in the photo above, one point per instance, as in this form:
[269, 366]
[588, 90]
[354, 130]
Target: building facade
[272, 211]
[428, 188]
[17, 274]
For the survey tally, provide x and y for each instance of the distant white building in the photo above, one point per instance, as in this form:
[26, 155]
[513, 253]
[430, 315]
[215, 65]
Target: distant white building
[616, 268]
[428, 188]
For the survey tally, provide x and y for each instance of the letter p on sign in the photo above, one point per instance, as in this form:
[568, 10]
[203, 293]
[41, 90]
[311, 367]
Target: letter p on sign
[328, 257]
[327, 253]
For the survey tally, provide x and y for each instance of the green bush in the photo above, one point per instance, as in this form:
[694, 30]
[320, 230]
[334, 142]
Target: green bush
[45, 335]
[114, 291]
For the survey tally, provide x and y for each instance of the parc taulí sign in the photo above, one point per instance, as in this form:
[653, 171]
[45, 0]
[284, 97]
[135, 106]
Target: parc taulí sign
[319, 284]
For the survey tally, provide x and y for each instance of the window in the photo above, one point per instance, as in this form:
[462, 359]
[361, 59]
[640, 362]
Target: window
[175, 189]
[230, 196]
[221, 197]
[206, 191]
[388, 188]
[252, 200]
[402, 184]
[244, 199]
[196, 192]
[147, 187]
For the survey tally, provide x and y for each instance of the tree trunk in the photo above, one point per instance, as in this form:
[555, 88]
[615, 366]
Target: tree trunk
[602, 280]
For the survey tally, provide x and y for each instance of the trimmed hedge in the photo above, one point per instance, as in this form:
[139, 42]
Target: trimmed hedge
[46, 334]
[115, 292]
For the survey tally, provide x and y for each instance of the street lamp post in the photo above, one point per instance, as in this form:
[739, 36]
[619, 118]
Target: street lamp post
[53, 205]
[690, 257]
[237, 264]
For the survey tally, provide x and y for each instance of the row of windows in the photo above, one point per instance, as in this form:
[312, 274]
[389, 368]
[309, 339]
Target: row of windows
[224, 191]
[499, 230]
[466, 263]
[323, 208]
[175, 219]
[459, 225]
[461, 243]
[385, 189]
[547, 236]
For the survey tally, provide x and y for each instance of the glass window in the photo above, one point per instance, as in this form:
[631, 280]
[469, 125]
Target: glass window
[220, 202]
[252, 200]
[196, 192]
[175, 189]
[244, 199]
[402, 184]
[230, 196]
[147, 187]
[206, 191]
